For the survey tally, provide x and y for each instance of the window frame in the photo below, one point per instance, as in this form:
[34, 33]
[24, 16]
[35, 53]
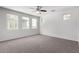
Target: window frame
[34, 25]
[67, 16]
[27, 22]
[12, 19]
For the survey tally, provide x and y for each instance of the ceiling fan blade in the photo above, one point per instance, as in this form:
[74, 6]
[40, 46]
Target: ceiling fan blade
[38, 9]
[43, 10]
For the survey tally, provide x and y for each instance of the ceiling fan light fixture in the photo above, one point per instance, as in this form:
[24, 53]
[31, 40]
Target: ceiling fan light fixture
[37, 12]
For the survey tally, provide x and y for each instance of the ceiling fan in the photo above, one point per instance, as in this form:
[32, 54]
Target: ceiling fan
[39, 9]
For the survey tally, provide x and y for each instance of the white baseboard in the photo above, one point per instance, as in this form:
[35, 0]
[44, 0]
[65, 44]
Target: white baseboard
[60, 37]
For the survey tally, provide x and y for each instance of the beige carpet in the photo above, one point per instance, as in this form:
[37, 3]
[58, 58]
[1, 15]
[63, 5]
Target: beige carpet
[39, 44]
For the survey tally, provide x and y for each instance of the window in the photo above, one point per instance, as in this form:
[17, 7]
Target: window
[12, 21]
[67, 16]
[34, 23]
[25, 23]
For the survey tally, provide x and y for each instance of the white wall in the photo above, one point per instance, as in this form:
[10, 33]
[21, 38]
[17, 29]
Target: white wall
[6, 34]
[54, 25]
[78, 23]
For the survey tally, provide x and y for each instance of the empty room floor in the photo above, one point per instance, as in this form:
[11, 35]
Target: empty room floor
[39, 44]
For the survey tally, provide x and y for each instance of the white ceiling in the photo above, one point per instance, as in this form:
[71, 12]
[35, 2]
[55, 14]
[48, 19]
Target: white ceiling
[31, 9]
